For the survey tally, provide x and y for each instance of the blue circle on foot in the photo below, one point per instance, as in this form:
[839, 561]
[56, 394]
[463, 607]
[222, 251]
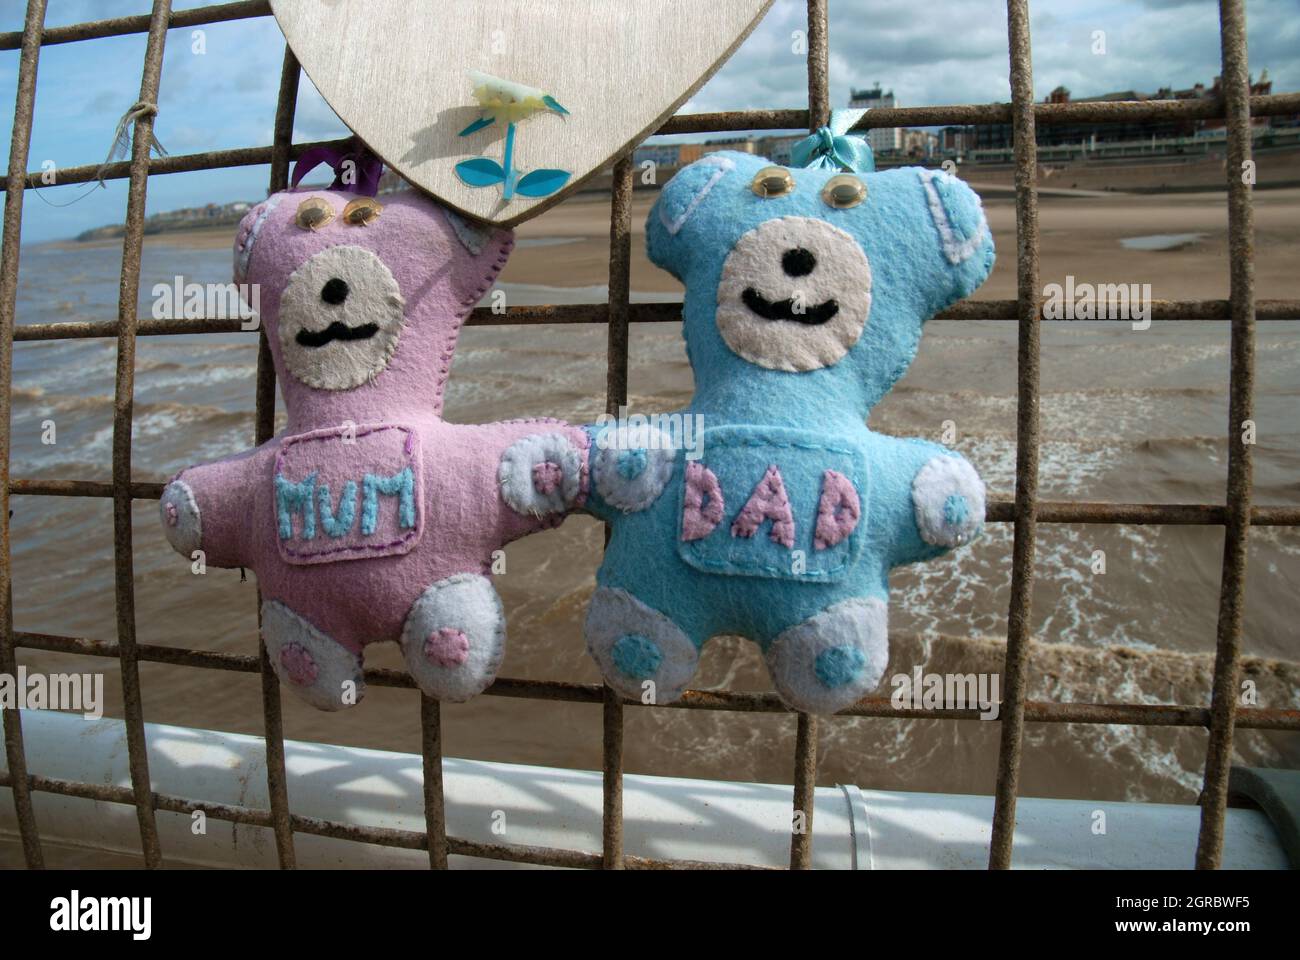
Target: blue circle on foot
[636, 656]
[838, 666]
[631, 464]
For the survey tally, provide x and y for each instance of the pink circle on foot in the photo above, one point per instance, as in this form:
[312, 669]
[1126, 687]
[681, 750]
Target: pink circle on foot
[547, 476]
[298, 664]
[172, 516]
[447, 647]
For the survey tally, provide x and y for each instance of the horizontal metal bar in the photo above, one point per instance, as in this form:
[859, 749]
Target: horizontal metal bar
[734, 120]
[577, 313]
[1079, 111]
[1116, 111]
[172, 163]
[357, 833]
[1160, 310]
[81, 488]
[1165, 311]
[120, 26]
[1160, 715]
[999, 509]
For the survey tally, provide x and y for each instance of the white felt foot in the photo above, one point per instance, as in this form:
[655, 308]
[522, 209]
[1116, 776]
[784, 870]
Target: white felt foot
[455, 637]
[317, 669]
[180, 518]
[642, 654]
[833, 659]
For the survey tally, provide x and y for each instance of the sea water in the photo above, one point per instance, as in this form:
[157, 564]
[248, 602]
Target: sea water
[1121, 614]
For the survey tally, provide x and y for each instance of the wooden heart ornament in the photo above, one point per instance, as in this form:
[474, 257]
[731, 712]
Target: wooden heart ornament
[501, 109]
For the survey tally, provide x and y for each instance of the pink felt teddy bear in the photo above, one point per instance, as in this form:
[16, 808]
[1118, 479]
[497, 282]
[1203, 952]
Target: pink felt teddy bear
[370, 517]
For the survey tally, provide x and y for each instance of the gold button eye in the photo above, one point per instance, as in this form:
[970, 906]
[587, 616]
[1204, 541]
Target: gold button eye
[314, 213]
[843, 191]
[772, 182]
[362, 211]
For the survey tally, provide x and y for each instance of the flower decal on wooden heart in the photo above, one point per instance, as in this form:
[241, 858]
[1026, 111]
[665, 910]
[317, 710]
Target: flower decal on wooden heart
[509, 103]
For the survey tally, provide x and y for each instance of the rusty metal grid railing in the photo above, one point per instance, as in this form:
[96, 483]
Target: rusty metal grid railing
[1025, 511]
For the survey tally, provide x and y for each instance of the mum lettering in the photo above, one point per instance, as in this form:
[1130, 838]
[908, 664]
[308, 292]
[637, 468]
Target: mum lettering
[311, 501]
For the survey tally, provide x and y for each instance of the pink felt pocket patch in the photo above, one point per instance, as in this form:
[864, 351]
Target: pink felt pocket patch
[348, 493]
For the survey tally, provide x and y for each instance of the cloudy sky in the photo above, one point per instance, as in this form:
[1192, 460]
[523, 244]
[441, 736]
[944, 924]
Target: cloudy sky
[947, 51]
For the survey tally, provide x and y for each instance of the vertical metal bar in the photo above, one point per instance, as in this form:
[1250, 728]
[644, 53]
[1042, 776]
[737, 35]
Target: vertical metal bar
[123, 404]
[286, 106]
[1232, 585]
[1022, 557]
[435, 806]
[19, 145]
[620, 285]
[264, 419]
[620, 267]
[805, 748]
[805, 783]
[819, 95]
[612, 765]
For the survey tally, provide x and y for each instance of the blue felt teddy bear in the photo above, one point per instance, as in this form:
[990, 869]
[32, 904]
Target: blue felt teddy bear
[781, 515]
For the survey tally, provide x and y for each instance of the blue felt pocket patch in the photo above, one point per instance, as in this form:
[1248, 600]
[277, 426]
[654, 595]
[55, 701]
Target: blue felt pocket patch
[773, 484]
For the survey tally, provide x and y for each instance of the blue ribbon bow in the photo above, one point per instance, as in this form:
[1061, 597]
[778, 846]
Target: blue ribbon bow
[831, 148]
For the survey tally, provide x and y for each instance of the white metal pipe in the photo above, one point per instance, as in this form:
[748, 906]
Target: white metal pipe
[664, 817]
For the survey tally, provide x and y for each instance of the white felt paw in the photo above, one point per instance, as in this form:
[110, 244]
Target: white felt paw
[180, 518]
[632, 465]
[949, 499]
[455, 637]
[316, 668]
[833, 659]
[642, 654]
[540, 474]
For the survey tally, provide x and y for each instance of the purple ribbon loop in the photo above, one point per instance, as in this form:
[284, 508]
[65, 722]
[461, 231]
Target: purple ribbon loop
[366, 170]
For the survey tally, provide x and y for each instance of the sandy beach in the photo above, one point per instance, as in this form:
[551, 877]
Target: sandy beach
[1080, 232]
[1080, 235]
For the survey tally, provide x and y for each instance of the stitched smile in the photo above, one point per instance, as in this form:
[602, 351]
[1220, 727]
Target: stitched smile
[336, 331]
[784, 309]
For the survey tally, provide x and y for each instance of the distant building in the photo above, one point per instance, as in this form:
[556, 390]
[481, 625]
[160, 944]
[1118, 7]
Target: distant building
[883, 140]
[999, 136]
[920, 144]
[209, 211]
[660, 154]
[690, 152]
[955, 140]
[186, 218]
[777, 149]
[740, 144]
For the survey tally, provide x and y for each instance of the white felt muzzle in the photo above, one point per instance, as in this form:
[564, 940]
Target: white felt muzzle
[795, 294]
[341, 314]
